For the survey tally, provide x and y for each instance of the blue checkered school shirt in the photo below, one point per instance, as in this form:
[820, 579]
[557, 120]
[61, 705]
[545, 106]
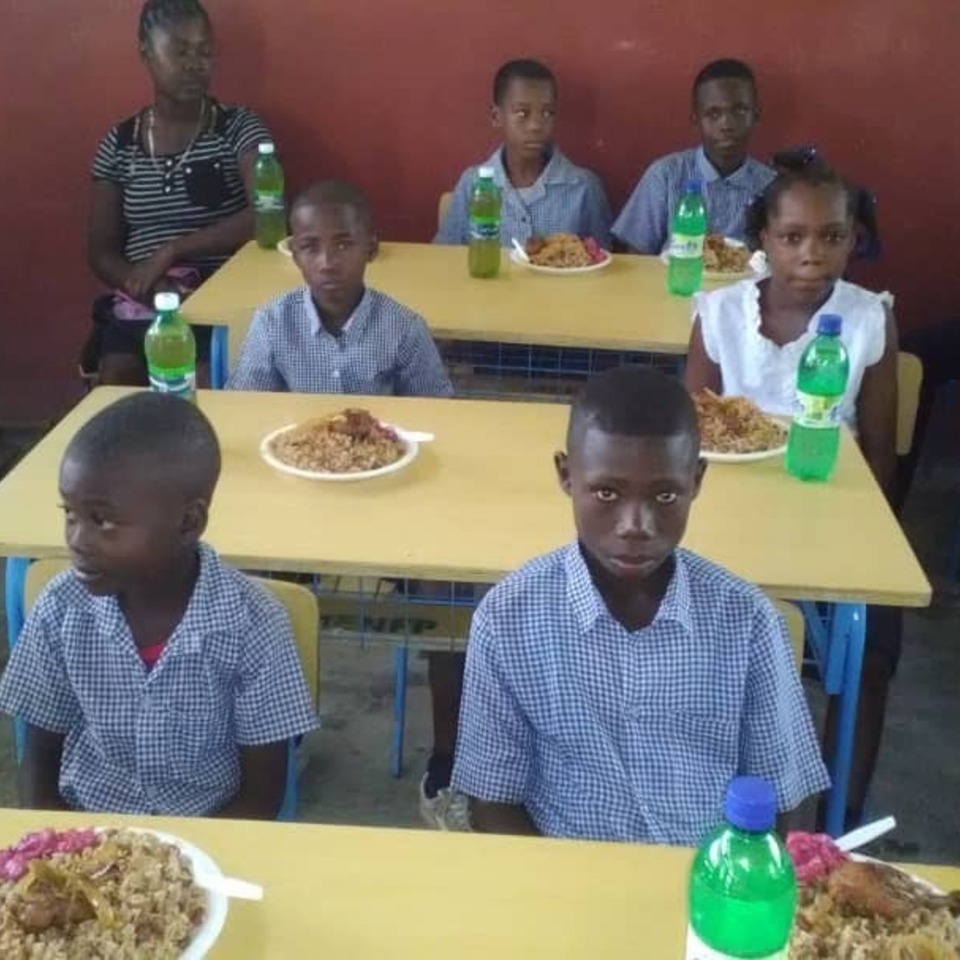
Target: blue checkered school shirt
[644, 223]
[384, 348]
[165, 740]
[610, 735]
[565, 199]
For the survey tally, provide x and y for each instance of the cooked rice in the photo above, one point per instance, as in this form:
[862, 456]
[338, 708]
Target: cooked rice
[821, 930]
[735, 425]
[558, 250]
[719, 256]
[337, 445]
[158, 905]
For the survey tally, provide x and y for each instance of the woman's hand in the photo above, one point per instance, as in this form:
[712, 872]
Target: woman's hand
[142, 278]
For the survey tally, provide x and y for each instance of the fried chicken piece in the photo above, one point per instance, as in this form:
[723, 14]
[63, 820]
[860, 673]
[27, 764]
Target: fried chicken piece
[873, 890]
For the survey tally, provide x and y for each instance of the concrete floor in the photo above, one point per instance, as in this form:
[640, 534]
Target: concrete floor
[347, 781]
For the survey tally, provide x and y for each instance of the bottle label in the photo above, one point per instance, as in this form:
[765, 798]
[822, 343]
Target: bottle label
[179, 381]
[685, 247]
[484, 229]
[698, 950]
[268, 201]
[816, 411]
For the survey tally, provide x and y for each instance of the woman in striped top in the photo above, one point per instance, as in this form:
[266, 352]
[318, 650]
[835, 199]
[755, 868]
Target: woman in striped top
[170, 192]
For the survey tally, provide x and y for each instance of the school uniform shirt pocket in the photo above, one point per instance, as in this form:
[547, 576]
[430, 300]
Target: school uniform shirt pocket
[195, 735]
[206, 185]
[680, 763]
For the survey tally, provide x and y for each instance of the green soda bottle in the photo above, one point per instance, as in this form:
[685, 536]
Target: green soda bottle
[270, 221]
[814, 442]
[171, 350]
[687, 233]
[743, 891]
[483, 256]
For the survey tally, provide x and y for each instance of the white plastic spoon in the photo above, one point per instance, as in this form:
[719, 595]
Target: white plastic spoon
[521, 252]
[415, 436]
[865, 834]
[230, 887]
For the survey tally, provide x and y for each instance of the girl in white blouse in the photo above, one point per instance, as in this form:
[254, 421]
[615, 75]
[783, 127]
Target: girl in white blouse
[747, 338]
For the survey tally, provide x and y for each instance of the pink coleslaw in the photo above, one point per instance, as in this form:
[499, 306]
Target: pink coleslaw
[814, 855]
[44, 843]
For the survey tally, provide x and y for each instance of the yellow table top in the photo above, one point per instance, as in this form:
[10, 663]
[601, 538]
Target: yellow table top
[359, 892]
[482, 499]
[624, 307]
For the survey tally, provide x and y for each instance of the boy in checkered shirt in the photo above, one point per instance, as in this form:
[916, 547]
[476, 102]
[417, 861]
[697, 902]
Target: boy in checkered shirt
[152, 678]
[615, 686]
[336, 335]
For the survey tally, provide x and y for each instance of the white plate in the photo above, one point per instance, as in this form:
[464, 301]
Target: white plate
[720, 275]
[561, 271]
[284, 247]
[202, 866]
[744, 457]
[411, 449]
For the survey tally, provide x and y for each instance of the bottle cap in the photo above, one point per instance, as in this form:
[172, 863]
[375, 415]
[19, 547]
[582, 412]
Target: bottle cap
[751, 804]
[165, 302]
[692, 186]
[266, 149]
[485, 173]
[829, 325]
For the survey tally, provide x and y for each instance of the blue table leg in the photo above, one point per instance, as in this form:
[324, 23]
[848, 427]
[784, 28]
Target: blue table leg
[219, 369]
[838, 647]
[16, 578]
[399, 710]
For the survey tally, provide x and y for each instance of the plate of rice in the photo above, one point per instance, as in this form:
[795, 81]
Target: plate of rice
[563, 255]
[854, 908]
[736, 430]
[726, 260]
[350, 445]
[124, 894]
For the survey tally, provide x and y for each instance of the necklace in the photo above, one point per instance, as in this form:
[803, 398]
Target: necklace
[171, 170]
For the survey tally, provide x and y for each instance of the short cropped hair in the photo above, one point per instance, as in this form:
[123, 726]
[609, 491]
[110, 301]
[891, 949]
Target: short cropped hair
[520, 70]
[336, 193]
[725, 69]
[634, 401]
[168, 438]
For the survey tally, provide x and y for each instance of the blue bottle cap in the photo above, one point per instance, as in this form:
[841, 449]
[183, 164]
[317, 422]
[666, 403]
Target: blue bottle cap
[692, 186]
[829, 325]
[751, 804]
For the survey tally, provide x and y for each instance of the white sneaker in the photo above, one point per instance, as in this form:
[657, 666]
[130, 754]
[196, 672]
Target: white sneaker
[448, 810]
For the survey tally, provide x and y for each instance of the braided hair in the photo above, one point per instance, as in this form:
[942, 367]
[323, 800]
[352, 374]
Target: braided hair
[805, 166]
[167, 13]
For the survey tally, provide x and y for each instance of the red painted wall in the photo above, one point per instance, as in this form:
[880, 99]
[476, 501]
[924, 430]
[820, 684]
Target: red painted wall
[393, 93]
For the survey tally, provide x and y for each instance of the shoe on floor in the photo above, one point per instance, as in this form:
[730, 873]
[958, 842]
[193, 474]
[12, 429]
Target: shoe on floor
[448, 810]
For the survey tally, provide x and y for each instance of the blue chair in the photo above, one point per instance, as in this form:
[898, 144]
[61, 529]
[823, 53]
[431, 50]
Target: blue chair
[26, 578]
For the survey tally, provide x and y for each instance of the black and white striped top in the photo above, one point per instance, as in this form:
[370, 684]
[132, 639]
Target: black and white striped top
[165, 199]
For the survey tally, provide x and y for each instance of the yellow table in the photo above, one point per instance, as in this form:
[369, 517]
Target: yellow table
[482, 500]
[353, 892]
[625, 307]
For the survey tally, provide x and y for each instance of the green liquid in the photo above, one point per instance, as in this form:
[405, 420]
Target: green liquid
[743, 895]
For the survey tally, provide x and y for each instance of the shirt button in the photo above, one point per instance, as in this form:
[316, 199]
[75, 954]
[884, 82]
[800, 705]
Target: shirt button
[188, 169]
[169, 163]
[336, 374]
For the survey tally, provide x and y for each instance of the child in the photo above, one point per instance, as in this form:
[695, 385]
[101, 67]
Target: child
[153, 679]
[614, 687]
[747, 340]
[543, 192]
[725, 108]
[336, 335]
